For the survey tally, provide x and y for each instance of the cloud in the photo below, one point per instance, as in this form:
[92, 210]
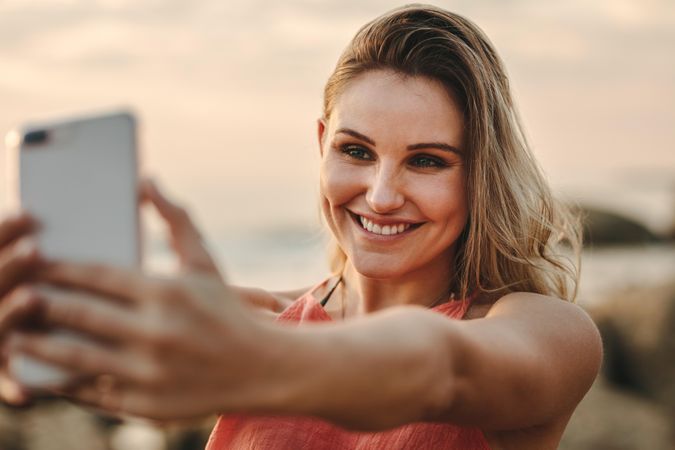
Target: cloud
[219, 83]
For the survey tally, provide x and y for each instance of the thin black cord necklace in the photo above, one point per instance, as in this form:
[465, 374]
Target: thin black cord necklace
[324, 300]
[327, 296]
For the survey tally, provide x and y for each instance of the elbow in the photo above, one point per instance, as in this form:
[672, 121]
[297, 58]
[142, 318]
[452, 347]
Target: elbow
[592, 347]
[447, 373]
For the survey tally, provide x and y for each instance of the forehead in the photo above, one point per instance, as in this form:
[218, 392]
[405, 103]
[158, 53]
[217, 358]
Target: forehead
[385, 105]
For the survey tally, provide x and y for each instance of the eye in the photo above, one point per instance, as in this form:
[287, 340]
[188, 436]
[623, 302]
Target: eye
[427, 161]
[356, 152]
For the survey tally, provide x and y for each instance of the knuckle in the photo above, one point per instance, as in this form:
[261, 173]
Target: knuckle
[151, 375]
[159, 337]
[171, 292]
[70, 314]
[73, 356]
[157, 289]
[25, 250]
[179, 292]
[22, 293]
[19, 298]
[13, 223]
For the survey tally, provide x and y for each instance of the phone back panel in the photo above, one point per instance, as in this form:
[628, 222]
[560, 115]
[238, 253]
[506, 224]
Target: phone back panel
[81, 183]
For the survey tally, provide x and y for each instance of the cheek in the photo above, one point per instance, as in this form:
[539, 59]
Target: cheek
[339, 184]
[444, 200]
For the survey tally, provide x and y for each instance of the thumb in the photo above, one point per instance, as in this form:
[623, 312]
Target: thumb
[15, 309]
[186, 239]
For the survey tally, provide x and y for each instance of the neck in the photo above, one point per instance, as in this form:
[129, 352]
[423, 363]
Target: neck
[425, 286]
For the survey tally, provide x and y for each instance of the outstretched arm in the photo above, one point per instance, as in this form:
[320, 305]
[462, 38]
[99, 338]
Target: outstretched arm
[530, 360]
[267, 303]
[184, 347]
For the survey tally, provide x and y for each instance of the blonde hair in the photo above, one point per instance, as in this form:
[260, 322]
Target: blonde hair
[514, 237]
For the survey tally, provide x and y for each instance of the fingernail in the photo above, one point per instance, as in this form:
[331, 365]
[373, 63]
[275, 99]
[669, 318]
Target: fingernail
[26, 247]
[13, 393]
[26, 297]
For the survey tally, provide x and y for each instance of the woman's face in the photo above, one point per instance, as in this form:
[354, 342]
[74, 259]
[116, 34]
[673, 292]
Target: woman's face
[393, 180]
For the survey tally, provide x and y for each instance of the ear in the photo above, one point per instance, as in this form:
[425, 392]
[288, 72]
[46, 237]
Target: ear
[321, 131]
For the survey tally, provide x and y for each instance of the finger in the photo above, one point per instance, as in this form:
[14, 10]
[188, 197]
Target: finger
[20, 305]
[12, 392]
[15, 262]
[124, 399]
[185, 237]
[89, 314]
[108, 281]
[14, 226]
[115, 398]
[78, 355]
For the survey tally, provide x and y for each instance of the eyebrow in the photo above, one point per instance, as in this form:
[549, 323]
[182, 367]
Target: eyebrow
[355, 134]
[422, 145]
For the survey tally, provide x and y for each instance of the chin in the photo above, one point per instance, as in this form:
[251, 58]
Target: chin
[377, 268]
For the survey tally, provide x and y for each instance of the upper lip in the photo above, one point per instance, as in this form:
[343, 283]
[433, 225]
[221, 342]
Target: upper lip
[387, 220]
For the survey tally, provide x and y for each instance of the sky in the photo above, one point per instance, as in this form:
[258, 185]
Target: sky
[228, 93]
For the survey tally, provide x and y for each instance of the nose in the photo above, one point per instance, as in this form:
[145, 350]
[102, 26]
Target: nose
[384, 191]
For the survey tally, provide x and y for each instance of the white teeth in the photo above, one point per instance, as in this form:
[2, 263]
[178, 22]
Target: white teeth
[385, 230]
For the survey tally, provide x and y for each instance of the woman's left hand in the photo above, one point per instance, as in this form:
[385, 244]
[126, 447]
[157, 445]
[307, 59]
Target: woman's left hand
[160, 348]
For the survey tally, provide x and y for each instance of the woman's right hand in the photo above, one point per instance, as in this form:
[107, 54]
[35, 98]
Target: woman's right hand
[18, 257]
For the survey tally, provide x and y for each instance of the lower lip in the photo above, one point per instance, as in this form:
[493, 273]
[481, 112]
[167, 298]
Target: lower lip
[380, 237]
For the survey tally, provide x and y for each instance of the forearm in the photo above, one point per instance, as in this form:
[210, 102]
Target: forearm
[262, 300]
[372, 373]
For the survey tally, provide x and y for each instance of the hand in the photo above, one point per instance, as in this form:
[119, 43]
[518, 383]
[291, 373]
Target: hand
[160, 348]
[18, 259]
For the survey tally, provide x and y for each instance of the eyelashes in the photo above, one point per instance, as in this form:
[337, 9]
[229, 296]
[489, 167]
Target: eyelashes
[424, 161]
[356, 152]
[418, 160]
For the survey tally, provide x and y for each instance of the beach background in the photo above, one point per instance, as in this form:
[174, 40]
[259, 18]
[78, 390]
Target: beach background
[228, 94]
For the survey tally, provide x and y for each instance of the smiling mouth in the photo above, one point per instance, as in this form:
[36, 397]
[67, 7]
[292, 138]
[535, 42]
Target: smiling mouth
[382, 229]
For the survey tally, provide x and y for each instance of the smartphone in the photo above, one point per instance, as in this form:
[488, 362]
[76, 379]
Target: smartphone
[79, 178]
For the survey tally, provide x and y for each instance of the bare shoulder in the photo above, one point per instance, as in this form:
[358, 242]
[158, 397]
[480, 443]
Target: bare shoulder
[567, 349]
[529, 360]
[554, 311]
[553, 325]
[528, 305]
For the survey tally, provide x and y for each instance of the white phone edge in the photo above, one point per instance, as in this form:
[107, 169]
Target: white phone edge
[30, 372]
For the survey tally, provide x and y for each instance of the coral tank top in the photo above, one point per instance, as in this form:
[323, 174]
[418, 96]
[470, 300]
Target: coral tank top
[246, 432]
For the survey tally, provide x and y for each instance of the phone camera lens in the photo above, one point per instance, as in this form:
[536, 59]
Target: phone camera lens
[35, 137]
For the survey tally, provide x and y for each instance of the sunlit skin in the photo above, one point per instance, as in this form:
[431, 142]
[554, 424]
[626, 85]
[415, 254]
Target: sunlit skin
[392, 152]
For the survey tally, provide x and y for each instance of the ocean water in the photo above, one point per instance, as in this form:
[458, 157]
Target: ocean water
[293, 258]
[608, 270]
[283, 259]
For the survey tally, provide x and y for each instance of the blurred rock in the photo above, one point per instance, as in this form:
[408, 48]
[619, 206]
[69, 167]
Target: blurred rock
[192, 436]
[10, 438]
[137, 435]
[609, 228]
[638, 330]
[632, 404]
[609, 419]
[53, 424]
[50, 425]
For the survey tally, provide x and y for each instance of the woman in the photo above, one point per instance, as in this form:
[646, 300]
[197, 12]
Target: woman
[439, 213]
